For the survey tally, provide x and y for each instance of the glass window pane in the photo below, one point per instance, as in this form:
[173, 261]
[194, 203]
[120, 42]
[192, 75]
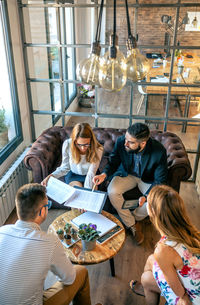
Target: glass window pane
[40, 25]
[46, 96]
[7, 124]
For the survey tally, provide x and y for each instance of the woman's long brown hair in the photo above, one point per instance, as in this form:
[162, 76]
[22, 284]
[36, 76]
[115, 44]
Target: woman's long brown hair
[168, 214]
[83, 130]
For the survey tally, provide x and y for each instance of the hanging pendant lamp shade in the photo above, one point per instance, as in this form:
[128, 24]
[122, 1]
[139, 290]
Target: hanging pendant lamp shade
[112, 73]
[137, 65]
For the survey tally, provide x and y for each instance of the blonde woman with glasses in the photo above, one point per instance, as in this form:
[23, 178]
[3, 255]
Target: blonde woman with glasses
[81, 156]
[174, 268]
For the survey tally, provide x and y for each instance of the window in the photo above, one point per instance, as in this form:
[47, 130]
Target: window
[49, 59]
[10, 125]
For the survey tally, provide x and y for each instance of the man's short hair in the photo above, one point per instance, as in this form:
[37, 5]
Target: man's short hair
[139, 131]
[28, 200]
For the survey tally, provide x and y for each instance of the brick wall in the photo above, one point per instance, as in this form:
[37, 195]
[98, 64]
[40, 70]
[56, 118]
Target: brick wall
[150, 29]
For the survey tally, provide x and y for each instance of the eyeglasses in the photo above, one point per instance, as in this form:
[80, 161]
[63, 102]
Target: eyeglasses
[46, 205]
[83, 145]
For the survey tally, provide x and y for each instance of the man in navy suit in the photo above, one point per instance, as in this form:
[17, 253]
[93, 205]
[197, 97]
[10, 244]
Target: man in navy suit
[144, 164]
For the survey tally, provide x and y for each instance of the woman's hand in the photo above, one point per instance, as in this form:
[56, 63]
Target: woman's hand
[45, 181]
[185, 300]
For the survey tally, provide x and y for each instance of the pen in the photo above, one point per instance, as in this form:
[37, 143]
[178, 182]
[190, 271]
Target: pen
[95, 185]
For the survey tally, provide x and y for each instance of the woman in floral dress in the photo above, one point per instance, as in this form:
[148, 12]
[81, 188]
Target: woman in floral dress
[174, 268]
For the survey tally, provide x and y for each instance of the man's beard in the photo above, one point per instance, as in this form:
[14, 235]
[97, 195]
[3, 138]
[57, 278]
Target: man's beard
[133, 151]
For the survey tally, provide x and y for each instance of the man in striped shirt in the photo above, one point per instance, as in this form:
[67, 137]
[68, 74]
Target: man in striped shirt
[28, 255]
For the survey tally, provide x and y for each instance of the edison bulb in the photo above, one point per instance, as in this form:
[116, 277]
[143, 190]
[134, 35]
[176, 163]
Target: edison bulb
[112, 73]
[79, 69]
[88, 69]
[137, 65]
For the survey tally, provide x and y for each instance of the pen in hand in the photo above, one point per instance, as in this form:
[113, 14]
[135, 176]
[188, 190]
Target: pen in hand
[95, 185]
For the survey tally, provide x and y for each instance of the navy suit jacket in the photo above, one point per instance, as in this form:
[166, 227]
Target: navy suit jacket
[153, 162]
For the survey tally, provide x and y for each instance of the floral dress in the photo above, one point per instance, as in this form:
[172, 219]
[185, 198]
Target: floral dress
[189, 275]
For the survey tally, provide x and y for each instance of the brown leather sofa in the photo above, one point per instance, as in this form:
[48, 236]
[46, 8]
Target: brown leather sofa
[45, 154]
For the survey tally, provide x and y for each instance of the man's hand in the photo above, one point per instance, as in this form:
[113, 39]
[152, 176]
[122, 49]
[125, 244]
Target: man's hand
[98, 179]
[142, 200]
[45, 181]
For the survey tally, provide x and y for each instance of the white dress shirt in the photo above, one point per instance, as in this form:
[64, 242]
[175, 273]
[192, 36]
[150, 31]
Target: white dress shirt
[82, 168]
[26, 256]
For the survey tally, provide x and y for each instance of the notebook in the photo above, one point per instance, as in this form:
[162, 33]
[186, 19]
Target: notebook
[104, 225]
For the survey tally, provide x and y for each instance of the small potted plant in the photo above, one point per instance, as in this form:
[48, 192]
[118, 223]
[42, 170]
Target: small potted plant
[3, 128]
[67, 239]
[88, 235]
[86, 94]
[73, 234]
[67, 227]
[60, 233]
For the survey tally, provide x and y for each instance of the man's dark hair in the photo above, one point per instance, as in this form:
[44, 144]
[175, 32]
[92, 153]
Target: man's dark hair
[139, 131]
[28, 200]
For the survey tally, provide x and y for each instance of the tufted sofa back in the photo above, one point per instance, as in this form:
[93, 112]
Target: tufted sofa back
[46, 152]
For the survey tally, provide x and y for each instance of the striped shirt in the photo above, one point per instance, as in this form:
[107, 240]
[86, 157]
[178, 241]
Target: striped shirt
[26, 256]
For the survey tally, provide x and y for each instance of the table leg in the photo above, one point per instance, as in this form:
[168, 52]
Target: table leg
[112, 266]
[186, 112]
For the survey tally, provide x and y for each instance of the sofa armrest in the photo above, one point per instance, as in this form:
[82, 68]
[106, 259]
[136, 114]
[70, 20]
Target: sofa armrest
[179, 168]
[45, 153]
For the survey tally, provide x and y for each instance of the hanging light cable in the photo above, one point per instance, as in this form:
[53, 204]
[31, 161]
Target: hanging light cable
[112, 73]
[88, 69]
[137, 65]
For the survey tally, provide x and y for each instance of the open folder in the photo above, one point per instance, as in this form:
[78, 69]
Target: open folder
[104, 225]
[76, 197]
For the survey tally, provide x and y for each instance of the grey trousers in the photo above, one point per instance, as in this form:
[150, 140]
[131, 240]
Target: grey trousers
[120, 185]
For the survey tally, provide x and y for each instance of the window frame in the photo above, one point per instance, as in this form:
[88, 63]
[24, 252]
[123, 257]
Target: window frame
[11, 146]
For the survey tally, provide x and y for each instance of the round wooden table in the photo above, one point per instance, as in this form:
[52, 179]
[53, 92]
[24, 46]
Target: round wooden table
[101, 253]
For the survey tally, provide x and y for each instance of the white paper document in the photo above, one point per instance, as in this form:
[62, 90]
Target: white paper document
[87, 200]
[103, 224]
[58, 190]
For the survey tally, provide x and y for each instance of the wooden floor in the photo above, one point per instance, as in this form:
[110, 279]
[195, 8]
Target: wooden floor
[129, 262]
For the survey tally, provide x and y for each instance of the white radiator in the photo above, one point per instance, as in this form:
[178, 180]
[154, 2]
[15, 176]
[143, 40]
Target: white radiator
[16, 176]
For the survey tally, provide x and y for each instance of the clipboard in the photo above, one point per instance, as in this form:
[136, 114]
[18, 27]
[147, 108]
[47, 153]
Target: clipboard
[86, 199]
[130, 204]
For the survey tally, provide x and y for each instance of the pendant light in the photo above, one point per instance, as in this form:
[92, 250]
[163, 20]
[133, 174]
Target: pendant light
[88, 69]
[137, 65]
[112, 73]
[195, 21]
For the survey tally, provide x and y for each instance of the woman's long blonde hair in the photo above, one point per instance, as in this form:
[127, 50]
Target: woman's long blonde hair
[168, 214]
[83, 130]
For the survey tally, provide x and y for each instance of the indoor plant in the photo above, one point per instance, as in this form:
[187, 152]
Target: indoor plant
[60, 233]
[3, 128]
[88, 235]
[67, 227]
[86, 94]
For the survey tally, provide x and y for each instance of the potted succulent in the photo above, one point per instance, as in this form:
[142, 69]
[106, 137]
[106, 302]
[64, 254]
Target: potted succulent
[74, 234]
[67, 227]
[60, 233]
[3, 128]
[88, 235]
[67, 239]
[86, 95]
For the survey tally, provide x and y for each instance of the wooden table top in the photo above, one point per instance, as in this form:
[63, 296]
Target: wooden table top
[101, 253]
[192, 63]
